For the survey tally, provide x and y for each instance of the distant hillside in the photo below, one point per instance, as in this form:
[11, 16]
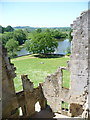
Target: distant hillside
[25, 27]
[43, 28]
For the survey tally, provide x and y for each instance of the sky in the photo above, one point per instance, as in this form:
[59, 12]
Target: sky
[40, 14]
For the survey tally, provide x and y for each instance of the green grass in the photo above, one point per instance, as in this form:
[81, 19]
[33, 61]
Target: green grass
[36, 71]
[66, 79]
[65, 105]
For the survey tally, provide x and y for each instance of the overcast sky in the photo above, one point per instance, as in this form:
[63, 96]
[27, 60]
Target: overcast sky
[40, 14]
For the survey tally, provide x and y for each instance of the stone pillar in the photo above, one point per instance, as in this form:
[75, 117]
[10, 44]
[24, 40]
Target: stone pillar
[89, 57]
[0, 80]
[42, 100]
[29, 98]
[9, 100]
[24, 110]
[52, 88]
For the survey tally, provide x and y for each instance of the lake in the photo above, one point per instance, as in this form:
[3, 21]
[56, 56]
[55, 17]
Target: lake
[62, 48]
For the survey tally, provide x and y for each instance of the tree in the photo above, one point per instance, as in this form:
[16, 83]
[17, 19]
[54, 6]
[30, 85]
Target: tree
[39, 30]
[59, 35]
[42, 43]
[47, 30]
[12, 46]
[19, 36]
[6, 37]
[9, 29]
[1, 29]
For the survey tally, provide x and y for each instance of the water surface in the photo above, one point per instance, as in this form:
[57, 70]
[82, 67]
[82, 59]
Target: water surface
[62, 48]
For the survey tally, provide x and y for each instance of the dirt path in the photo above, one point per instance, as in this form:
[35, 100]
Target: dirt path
[23, 58]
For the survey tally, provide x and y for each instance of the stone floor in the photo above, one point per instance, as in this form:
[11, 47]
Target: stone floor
[48, 114]
[43, 114]
[60, 116]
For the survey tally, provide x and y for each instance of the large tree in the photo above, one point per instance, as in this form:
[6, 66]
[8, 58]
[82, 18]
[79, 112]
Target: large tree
[1, 29]
[9, 29]
[20, 36]
[42, 43]
[59, 35]
[6, 36]
[12, 46]
[39, 30]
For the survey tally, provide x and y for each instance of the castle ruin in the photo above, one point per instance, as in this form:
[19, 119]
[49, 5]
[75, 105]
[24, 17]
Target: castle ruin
[51, 91]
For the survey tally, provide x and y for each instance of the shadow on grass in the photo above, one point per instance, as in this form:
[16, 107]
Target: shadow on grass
[49, 55]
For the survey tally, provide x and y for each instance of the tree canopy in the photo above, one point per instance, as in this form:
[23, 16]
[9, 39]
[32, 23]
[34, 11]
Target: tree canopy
[42, 43]
[1, 29]
[20, 36]
[12, 46]
[39, 30]
[59, 35]
[9, 29]
[6, 36]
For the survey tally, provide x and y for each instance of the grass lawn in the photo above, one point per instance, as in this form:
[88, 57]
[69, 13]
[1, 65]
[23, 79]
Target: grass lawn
[37, 69]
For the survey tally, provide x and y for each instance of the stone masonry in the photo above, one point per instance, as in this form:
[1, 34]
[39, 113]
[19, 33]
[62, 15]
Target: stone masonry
[77, 94]
[26, 99]
[79, 62]
[8, 90]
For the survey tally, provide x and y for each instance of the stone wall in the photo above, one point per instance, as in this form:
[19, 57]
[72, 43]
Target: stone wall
[79, 62]
[53, 90]
[0, 81]
[9, 101]
[79, 58]
[32, 96]
[26, 99]
[89, 59]
[77, 94]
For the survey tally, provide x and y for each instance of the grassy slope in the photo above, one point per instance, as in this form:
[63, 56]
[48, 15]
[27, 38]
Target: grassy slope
[37, 71]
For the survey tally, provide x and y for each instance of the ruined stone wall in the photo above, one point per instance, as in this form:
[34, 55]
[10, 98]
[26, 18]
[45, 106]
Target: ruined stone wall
[32, 96]
[53, 90]
[0, 81]
[77, 95]
[26, 99]
[89, 58]
[79, 62]
[79, 59]
[9, 101]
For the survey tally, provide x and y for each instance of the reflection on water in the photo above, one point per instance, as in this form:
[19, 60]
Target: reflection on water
[62, 48]
[23, 51]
